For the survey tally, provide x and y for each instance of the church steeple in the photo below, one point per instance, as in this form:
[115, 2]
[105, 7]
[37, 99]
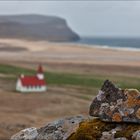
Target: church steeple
[40, 69]
[40, 73]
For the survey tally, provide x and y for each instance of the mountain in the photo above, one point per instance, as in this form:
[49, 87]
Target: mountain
[37, 27]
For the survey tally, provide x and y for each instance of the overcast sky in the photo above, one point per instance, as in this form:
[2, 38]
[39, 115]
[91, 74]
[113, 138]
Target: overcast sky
[87, 18]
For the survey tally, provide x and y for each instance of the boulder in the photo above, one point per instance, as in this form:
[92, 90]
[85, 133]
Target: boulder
[61, 129]
[57, 130]
[136, 135]
[107, 136]
[26, 134]
[113, 104]
[122, 138]
[95, 129]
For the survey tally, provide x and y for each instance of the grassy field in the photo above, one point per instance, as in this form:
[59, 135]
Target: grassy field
[92, 81]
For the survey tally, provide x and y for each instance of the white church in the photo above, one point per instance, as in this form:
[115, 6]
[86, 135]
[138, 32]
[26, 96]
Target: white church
[34, 83]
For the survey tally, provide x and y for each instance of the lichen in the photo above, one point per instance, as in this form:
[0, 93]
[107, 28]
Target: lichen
[132, 100]
[138, 113]
[117, 117]
[128, 130]
[93, 129]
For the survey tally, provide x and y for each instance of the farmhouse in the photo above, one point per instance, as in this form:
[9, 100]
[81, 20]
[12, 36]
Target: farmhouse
[34, 83]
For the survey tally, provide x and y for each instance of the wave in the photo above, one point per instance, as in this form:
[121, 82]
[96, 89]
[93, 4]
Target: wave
[108, 47]
[129, 44]
[119, 48]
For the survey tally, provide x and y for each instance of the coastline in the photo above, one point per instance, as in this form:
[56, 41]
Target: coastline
[105, 47]
[47, 52]
[132, 44]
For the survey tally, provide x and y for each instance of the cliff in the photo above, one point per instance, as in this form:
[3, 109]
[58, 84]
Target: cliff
[36, 27]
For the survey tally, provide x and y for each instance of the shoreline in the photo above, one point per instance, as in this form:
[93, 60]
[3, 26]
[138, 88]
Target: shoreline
[99, 46]
[75, 44]
[44, 52]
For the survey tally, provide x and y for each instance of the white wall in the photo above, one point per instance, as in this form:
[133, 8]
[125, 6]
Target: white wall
[21, 88]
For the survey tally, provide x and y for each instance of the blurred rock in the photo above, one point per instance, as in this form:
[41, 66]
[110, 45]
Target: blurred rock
[110, 135]
[61, 129]
[95, 129]
[113, 104]
[57, 130]
[107, 136]
[26, 134]
[122, 138]
[136, 135]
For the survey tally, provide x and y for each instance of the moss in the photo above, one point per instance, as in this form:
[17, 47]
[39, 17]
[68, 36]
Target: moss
[128, 130]
[92, 130]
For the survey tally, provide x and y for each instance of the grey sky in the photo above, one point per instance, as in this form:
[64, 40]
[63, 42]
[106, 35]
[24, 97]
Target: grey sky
[87, 18]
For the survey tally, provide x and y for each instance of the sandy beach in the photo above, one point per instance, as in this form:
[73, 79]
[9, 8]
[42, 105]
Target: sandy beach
[69, 57]
[73, 53]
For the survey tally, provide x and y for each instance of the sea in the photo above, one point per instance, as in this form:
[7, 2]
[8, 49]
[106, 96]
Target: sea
[116, 43]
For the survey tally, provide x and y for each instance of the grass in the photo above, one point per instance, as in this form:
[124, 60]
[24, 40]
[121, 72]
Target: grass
[83, 81]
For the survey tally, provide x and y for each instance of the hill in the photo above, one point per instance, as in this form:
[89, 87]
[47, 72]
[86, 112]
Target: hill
[36, 27]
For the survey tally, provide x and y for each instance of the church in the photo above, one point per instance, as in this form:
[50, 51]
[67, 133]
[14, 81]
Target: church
[34, 83]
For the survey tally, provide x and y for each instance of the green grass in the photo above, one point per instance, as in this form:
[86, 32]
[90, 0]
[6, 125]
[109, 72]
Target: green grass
[72, 79]
[13, 70]
[84, 81]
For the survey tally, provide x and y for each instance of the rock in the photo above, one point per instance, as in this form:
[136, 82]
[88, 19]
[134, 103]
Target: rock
[110, 135]
[122, 138]
[95, 129]
[26, 134]
[136, 135]
[61, 129]
[57, 130]
[107, 136]
[113, 104]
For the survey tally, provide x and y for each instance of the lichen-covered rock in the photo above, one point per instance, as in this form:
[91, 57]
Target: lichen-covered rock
[110, 135]
[136, 135]
[107, 136]
[99, 130]
[122, 138]
[57, 130]
[113, 104]
[26, 134]
[61, 129]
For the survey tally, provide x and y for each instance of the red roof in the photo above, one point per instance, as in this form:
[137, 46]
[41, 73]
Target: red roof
[32, 81]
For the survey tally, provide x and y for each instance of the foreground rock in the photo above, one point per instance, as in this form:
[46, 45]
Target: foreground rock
[89, 129]
[113, 104]
[118, 113]
[26, 134]
[98, 130]
[58, 130]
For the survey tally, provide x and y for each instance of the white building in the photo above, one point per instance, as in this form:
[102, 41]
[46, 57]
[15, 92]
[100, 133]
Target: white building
[32, 83]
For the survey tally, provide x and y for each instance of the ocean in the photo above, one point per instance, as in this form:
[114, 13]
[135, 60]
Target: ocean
[118, 43]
